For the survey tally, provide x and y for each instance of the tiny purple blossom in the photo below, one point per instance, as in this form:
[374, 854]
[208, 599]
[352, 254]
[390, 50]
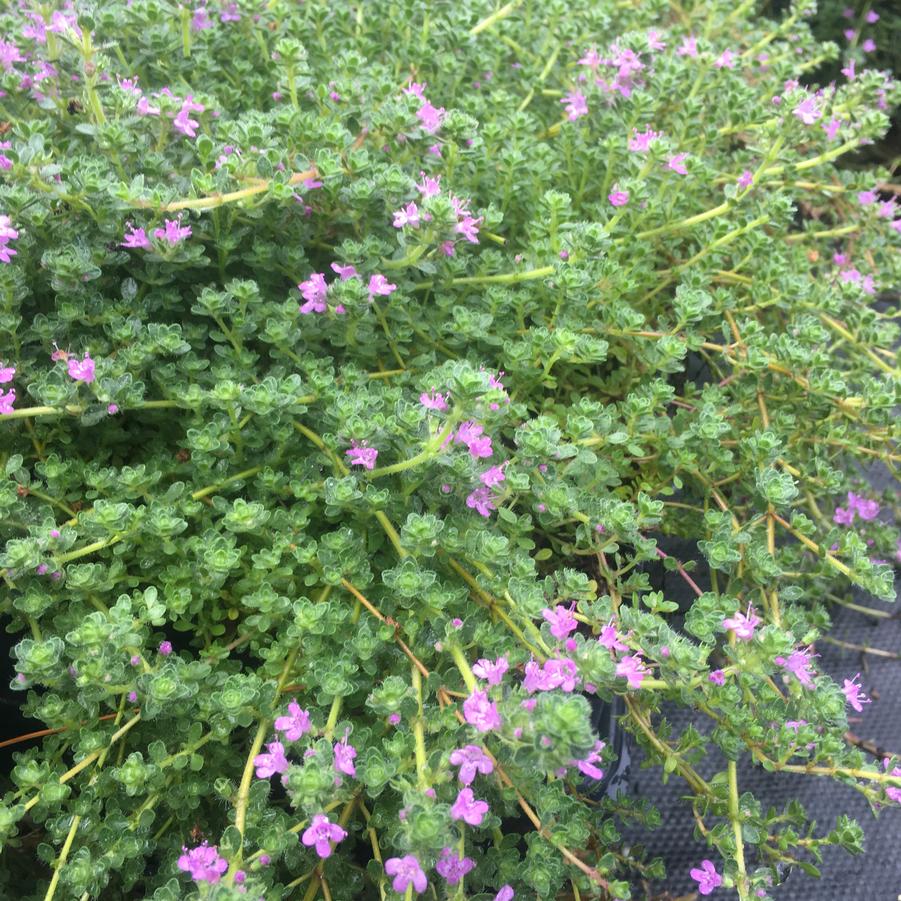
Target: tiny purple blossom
[452, 867]
[429, 187]
[361, 455]
[407, 215]
[562, 621]
[640, 142]
[633, 669]
[203, 863]
[472, 760]
[866, 508]
[717, 677]
[469, 808]
[677, 163]
[480, 712]
[344, 757]
[137, 238]
[7, 373]
[505, 894]
[7, 399]
[610, 638]
[742, 625]
[344, 272]
[491, 672]
[618, 198]
[689, 47]
[173, 233]
[854, 693]
[746, 179]
[321, 833]
[808, 111]
[295, 724]
[406, 872]
[165, 648]
[868, 46]
[314, 291]
[576, 106]
[430, 117]
[434, 400]
[379, 285]
[481, 501]
[272, 762]
[81, 370]
[865, 198]
[799, 665]
[707, 877]
[493, 476]
[726, 60]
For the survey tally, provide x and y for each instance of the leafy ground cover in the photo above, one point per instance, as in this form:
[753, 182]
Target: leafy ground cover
[352, 359]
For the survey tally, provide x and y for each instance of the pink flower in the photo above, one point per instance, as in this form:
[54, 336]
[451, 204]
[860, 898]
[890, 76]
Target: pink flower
[843, 517]
[430, 117]
[868, 46]
[6, 401]
[866, 509]
[576, 106]
[726, 60]
[416, 89]
[799, 665]
[230, 13]
[344, 757]
[707, 877]
[717, 677]
[452, 867]
[379, 285]
[136, 237]
[848, 71]
[480, 712]
[872, 17]
[677, 163]
[590, 59]
[746, 179]
[165, 648]
[406, 872]
[408, 215]
[173, 233]
[429, 187]
[361, 455]
[295, 724]
[587, 766]
[654, 42]
[689, 47]
[493, 476]
[633, 670]
[468, 808]
[610, 638]
[831, 128]
[314, 291]
[144, 108]
[273, 762]
[505, 894]
[743, 626]
[468, 226]
[640, 142]
[344, 272]
[203, 863]
[865, 198]
[618, 198]
[492, 673]
[434, 401]
[808, 111]
[472, 760]
[182, 121]
[321, 833]
[481, 501]
[6, 374]
[7, 234]
[562, 621]
[854, 693]
[81, 371]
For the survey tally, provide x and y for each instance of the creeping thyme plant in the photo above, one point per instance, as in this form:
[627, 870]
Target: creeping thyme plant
[356, 359]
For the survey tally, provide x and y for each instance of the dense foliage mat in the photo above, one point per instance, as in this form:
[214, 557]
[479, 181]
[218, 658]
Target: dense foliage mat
[356, 360]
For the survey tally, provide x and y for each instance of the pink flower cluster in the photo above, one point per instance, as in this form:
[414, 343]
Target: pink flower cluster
[203, 863]
[173, 233]
[7, 234]
[181, 120]
[7, 398]
[430, 117]
[743, 625]
[863, 507]
[315, 289]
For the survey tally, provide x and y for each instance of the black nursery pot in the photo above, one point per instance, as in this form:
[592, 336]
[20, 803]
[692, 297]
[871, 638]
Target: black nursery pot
[605, 721]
